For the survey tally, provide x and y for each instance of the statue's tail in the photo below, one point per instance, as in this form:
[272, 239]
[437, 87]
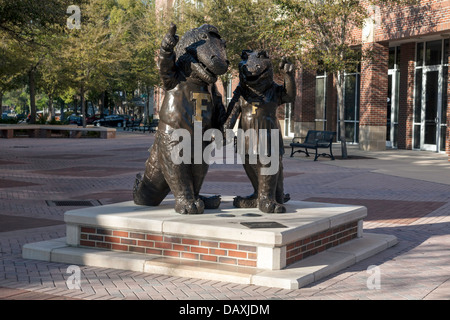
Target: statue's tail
[146, 193]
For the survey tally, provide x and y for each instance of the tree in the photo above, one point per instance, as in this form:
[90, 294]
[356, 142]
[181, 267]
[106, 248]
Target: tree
[12, 61]
[244, 24]
[27, 28]
[55, 77]
[135, 22]
[114, 50]
[20, 18]
[92, 52]
[319, 35]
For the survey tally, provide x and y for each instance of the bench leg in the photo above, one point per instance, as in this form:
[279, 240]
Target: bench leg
[306, 151]
[317, 155]
[331, 153]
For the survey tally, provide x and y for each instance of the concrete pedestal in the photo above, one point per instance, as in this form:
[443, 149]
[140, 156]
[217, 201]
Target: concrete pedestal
[290, 250]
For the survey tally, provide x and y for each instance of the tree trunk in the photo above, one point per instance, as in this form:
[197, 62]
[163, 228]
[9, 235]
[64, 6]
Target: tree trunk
[75, 106]
[341, 107]
[32, 85]
[147, 105]
[51, 110]
[62, 118]
[107, 104]
[102, 103]
[83, 106]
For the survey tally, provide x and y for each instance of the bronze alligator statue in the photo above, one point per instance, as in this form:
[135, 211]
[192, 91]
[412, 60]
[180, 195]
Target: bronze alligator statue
[189, 68]
[256, 100]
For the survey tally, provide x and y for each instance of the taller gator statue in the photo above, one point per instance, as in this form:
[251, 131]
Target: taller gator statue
[188, 68]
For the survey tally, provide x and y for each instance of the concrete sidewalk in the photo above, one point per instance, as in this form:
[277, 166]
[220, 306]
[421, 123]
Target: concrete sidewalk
[423, 165]
[407, 194]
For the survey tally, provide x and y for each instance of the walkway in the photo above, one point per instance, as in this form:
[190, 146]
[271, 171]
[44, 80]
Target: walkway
[407, 194]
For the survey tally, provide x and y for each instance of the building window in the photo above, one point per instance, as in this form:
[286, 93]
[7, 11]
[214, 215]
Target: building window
[321, 103]
[288, 122]
[229, 93]
[351, 107]
[433, 53]
[394, 58]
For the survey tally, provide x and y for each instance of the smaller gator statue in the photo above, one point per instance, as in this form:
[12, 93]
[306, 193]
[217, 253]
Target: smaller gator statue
[256, 100]
[188, 68]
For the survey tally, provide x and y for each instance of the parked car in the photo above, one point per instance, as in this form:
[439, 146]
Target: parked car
[9, 117]
[73, 119]
[89, 119]
[111, 121]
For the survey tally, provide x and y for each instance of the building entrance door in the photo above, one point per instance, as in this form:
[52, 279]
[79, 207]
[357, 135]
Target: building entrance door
[430, 107]
[431, 113]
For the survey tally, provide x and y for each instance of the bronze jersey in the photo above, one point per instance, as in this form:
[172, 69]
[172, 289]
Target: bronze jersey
[257, 112]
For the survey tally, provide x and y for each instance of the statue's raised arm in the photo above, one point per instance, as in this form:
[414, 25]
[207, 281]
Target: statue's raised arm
[167, 59]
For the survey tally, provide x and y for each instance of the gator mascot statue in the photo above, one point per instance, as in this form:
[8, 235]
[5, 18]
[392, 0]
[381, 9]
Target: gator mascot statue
[188, 68]
[256, 100]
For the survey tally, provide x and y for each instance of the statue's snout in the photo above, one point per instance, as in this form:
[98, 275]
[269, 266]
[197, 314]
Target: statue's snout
[220, 64]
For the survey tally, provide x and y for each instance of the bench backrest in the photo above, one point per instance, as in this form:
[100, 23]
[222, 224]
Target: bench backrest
[320, 137]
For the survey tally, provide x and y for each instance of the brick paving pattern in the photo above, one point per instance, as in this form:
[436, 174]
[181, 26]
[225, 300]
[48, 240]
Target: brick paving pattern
[35, 171]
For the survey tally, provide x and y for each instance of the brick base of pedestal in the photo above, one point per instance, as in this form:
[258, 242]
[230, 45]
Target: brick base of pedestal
[286, 250]
[220, 252]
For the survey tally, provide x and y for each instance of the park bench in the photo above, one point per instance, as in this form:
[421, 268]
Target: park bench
[315, 140]
[151, 127]
[133, 125]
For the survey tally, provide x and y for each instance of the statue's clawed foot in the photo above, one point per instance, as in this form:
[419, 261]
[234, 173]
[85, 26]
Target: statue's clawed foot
[184, 206]
[212, 202]
[271, 206]
[250, 201]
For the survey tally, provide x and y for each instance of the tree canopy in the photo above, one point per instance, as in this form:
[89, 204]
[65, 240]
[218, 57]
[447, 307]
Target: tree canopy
[112, 50]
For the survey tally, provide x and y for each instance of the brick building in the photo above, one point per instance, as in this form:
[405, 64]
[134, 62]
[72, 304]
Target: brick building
[398, 99]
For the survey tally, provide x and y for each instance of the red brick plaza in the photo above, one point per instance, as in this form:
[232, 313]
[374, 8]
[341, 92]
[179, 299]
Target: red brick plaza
[407, 194]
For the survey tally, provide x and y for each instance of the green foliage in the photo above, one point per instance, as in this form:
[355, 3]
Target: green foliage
[244, 24]
[320, 32]
[9, 121]
[22, 19]
[113, 50]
